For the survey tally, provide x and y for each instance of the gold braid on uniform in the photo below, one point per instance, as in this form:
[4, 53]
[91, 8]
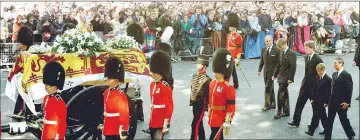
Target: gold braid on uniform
[197, 84]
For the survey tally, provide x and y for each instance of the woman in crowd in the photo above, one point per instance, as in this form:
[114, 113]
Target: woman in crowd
[252, 47]
[31, 22]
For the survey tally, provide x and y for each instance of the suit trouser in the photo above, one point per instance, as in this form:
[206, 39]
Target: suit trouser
[197, 126]
[214, 131]
[283, 99]
[319, 114]
[333, 109]
[303, 97]
[156, 134]
[269, 93]
[235, 78]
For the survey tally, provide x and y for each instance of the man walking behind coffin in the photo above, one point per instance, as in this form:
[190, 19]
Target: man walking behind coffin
[340, 99]
[269, 61]
[320, 99]
[308, 83]
[285, 73]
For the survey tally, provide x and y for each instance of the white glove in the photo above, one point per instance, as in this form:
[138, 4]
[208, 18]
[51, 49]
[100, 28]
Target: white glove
[18, 128]
[237, 61]
[226, 125]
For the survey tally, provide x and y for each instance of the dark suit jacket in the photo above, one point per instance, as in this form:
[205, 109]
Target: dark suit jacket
[322, 90]
[310, 71]
[269, 62]
[287, 67]
[357, 56]
[342, 88]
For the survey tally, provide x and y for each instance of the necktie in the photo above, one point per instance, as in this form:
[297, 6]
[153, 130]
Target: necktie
[337, 74]
[268, 50]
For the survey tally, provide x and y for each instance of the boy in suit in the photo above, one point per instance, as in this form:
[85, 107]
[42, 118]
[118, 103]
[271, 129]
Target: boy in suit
[340, 99]
[319, 99]
[285, 73]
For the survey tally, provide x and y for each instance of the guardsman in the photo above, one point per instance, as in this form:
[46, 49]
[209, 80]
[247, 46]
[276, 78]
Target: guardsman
[165, 47]
[221, 95]
[116, 103]
[160, 95]
[199, 97]
[233, 43]
[54, 106]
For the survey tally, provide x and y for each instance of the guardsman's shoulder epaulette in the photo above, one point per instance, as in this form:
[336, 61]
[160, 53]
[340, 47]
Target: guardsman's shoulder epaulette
[165, 83]
[227, 83]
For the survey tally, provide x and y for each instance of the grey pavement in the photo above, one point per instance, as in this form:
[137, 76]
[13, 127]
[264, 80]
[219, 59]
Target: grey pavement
[249, 122]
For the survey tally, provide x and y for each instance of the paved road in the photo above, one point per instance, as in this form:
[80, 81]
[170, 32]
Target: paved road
[249, 122]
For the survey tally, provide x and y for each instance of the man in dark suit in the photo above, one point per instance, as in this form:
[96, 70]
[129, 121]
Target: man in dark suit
[356, 62]
[270, 61]
[308, 83]
[319, 99]
[340, 99]
[285, 72]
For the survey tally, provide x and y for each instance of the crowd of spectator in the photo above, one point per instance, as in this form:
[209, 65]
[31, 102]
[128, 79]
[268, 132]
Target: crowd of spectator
[195, 24]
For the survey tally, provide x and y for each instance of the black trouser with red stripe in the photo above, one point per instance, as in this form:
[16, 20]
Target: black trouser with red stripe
[216, 133]
[197, 127]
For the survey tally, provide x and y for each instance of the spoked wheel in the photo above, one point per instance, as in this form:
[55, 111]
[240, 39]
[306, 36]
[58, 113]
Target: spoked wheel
[85, 113]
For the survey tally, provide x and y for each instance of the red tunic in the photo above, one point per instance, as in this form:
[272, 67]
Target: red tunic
[162, 105]
[54, 117]
[221, 101]
[116, 112]
[233, 44]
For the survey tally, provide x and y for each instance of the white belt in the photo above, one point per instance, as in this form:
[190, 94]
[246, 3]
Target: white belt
[50, 122]
[158, 106]
[111, 114]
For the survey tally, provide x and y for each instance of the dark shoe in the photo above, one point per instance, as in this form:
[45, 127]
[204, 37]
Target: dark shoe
[146, 130]
[273, 107]
[277, 117]
[285, 115]
[357, 98]
[293, 124]
[265, 109]
[309, 133]
[322, 132]
[352, 138]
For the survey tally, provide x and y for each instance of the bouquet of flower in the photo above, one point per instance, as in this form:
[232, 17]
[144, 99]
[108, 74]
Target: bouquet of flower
[121, 42]
[39, 49]
[79, 43]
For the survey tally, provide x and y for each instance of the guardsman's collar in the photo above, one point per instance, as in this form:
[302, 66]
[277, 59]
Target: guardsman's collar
[115, 88]
[54, 94]
[160, 81]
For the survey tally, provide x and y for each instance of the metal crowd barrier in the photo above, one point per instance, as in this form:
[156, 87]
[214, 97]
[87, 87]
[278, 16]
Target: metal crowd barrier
[8, 53]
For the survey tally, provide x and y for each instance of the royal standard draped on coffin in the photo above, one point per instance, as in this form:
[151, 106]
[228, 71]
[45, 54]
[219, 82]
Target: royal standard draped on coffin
[26, 76]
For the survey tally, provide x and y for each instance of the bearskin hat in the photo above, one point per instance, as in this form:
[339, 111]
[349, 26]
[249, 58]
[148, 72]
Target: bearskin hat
[25, 36]
[165, 47]
[54, 75]
[136, 31]
[222, 62]
[203, 60]
[233, 20]
[114, 69]
[67, 26]
[160, 63]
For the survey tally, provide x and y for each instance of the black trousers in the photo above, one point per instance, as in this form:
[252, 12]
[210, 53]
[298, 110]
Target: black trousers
[235, 78]
[304, 96]
[319, 114]
[269, 93]
[333, 109]
[139, 112]
[214, 131]
[197, 126]
[112, 137]
[283, 99]
[156, 134]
